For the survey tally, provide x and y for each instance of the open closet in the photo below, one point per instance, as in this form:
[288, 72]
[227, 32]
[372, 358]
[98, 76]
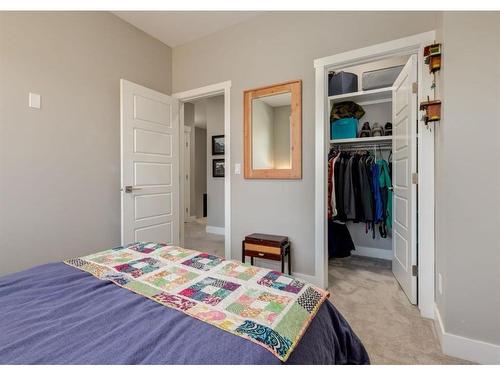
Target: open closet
[372, 164]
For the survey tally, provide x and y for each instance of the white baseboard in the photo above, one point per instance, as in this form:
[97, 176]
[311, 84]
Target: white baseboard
[464, 347]
[373, 252]
[215, 230]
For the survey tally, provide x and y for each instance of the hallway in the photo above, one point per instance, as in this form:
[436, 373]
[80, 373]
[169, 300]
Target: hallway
[196, 238]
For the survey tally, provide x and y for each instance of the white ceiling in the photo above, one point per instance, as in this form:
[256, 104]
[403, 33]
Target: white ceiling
[176, 28]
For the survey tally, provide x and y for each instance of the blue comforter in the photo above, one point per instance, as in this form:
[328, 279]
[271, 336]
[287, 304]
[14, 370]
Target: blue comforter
[56, 314]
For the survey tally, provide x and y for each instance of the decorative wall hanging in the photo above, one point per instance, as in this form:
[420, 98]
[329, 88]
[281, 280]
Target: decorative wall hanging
[432, 108]
[218, 145]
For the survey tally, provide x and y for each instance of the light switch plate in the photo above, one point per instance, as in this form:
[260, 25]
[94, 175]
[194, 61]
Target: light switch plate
[237, 168]
[35, 100]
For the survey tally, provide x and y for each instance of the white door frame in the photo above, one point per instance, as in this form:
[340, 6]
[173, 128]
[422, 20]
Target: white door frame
[403, 46]
[206, 92]
[187, 197]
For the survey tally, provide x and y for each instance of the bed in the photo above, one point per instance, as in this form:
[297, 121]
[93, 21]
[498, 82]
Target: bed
[58, 314]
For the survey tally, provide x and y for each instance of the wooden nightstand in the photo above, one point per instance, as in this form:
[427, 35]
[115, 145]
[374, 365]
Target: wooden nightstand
[267, 246]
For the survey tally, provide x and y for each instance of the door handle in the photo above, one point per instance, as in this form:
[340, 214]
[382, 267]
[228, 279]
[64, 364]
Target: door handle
[130, 189]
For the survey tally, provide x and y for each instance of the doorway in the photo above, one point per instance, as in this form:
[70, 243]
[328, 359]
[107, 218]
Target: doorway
[423, 264]
[204, 184]
[207, 225]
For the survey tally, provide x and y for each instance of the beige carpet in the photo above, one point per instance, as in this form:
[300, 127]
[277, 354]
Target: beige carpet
[366, 293]
[196, 238]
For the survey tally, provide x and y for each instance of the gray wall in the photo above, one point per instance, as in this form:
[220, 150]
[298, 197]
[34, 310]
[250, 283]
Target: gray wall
[262, 135]
[200, 168]
[60, 166]
[281, 145]
[215, 185]
[467, 176]
[272, 48]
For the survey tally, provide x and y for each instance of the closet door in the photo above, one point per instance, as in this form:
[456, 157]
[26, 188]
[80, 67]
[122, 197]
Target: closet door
[404, 236]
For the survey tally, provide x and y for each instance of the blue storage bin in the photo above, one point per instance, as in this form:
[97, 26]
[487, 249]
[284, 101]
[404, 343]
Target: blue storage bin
[344, 128]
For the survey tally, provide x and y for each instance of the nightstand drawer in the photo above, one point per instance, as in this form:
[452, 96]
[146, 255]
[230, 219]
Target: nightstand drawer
[262, 249]
[257, 254]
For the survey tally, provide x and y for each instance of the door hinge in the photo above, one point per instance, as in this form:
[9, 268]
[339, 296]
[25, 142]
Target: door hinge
[414, 178]
[414, 87]
[414, 270]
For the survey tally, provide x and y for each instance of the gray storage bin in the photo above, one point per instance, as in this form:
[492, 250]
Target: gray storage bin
[377, 79]
[342, 83]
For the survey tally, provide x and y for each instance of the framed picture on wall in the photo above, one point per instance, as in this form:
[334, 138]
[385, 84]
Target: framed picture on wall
[218, 167]
[218, 145]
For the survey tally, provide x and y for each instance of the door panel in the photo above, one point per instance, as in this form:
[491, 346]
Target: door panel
[152, 174]
[150, 164]
[404, 194]
[149, 206]
[149, 109]
[152, 142]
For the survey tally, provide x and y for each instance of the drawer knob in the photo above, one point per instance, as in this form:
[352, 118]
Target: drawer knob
[261, 254]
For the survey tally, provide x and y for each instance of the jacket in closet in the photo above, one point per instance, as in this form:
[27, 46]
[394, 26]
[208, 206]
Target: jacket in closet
[386, 188]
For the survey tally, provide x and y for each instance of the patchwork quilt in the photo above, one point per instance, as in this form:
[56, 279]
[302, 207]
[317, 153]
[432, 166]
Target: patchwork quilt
[264, 306]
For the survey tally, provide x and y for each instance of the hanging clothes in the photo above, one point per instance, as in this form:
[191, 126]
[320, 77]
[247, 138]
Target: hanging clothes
[365, 189]
[349, 198]
[386, 189]
[340, 242]
[378, 211]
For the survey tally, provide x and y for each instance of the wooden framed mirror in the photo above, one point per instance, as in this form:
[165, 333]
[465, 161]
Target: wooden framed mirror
[272, 118]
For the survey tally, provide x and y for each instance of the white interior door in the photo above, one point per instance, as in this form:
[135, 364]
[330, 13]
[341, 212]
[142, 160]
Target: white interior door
[404, 236]
[187, 173]
[149, 165]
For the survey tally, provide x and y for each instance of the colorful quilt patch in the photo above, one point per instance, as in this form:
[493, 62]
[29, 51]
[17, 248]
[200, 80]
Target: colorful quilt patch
[140, 267]
[210, 290]
[203, 261]
[260, 305]
[116, 257]
[175, 253]
[171, 278]
[266, 336]
[174, 301]
[277, 280]
[273, 310]
[238, 271]
[309, 299]
[147, 247]
[222, 319]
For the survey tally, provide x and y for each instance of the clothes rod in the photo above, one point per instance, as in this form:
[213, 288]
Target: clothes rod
[362, 147]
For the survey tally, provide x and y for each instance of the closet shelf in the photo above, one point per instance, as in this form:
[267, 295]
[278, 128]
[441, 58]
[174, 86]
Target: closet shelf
[365, 97]
[383, 139]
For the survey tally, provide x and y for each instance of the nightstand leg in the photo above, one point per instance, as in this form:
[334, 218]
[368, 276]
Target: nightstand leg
[283, 253]
[243, 252]
[289, 261]
[251, 261]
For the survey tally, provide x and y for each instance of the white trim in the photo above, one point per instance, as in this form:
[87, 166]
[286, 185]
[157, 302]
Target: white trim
[464, 347]
[406, 46]
[215, 230]
[206, 92]
[373, 252]
[376, 51]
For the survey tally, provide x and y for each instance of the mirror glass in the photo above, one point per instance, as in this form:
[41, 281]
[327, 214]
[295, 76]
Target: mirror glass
[271, 130]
